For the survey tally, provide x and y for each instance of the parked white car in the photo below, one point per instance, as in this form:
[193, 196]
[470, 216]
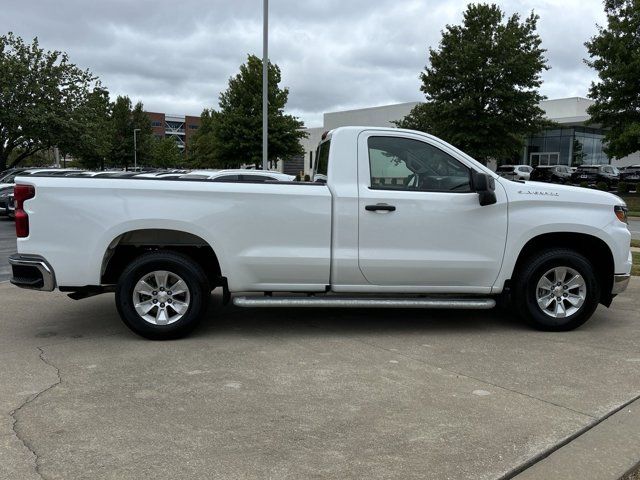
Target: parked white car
[515, 172]
[403, 220]
[239, 175]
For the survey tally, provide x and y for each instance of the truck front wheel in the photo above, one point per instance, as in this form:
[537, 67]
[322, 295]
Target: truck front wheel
[557, 290]
[162, 295]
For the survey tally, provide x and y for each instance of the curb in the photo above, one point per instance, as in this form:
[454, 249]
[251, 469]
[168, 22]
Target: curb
[606, 449]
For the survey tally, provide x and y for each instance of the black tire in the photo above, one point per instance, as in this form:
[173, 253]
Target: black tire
[176, 264]
[526, 289]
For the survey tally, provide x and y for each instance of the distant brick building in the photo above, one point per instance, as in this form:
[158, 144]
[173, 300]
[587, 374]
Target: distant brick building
[178, 127]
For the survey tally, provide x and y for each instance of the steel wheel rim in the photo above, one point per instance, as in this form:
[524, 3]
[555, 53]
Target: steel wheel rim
[161, 297]
[561, 292]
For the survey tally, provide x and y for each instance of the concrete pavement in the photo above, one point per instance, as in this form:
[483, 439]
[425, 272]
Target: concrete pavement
[299, 393]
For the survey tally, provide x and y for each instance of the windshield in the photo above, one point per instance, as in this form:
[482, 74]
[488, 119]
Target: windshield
[505, 169]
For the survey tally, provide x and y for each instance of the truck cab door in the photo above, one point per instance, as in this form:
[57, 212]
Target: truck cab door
[420, 224]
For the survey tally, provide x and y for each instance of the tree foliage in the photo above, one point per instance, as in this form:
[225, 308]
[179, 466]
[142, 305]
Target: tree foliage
[232, 136]
[202, 149]
[121, 152]
[89, 138]
[166, 154]
[144, 138]
[482, 84]
[615, 55]
[40, 91]
[124, 120]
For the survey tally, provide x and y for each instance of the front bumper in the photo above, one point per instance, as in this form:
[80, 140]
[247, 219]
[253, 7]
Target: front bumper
[620, 283]
[32, 272]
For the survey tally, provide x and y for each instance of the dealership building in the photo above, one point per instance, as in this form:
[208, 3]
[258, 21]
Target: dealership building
[572, 142]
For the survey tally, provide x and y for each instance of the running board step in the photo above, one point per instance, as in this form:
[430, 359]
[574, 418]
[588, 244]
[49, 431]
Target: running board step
[344, 302]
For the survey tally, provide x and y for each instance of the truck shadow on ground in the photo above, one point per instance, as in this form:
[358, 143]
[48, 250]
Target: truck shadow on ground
[330, 321]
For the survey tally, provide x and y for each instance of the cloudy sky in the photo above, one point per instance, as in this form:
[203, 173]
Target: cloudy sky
[176, 56]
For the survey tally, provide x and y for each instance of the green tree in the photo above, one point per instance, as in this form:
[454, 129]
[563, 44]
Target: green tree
[124, 119]
[481, 84]
[201, 153]
[144, 138]
[39, 91]
[234, 135]
[89, 141]
[166, 154]
[121, 154]
[615, 55]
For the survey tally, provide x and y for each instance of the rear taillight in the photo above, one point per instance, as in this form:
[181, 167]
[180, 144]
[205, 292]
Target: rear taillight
[20, 194]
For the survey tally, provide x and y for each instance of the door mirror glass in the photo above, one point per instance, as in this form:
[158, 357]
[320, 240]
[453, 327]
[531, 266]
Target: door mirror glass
[485, 186]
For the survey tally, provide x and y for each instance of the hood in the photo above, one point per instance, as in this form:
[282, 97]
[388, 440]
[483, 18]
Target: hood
[560, 193]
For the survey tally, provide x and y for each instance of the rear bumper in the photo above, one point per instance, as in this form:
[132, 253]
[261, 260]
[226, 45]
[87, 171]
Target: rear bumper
[620, 283]
[32, 272]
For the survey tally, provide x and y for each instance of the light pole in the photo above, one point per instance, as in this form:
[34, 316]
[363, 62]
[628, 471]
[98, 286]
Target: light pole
[135, 149]
[265, 85]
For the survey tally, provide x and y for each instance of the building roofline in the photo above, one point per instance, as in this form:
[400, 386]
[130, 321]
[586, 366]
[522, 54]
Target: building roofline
[377, 107]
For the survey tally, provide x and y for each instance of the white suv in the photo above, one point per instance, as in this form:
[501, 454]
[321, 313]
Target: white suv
[515, 172]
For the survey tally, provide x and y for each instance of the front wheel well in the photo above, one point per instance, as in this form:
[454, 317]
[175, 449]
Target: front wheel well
[129, 246]
[592, 248]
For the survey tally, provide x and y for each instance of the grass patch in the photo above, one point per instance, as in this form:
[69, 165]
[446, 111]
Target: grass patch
[633, 202]
[635, 243]
[635, 270]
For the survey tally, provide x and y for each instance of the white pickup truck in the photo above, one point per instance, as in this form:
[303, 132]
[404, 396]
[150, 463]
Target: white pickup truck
[397, 218]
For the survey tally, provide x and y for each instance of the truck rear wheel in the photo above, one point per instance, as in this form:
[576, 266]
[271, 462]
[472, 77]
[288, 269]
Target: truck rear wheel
[557, 290]
[162, 295]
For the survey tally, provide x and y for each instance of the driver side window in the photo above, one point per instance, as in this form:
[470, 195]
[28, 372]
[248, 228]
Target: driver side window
[405, 164]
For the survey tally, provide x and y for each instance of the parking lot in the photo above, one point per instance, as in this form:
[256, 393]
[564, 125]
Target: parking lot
[7, 246]
[312, 394]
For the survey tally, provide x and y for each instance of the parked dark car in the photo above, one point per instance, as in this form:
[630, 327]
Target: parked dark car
[593, 174]
[631, 174]
[5, 192]
[552, 174]
[11, 207]
[7, 176]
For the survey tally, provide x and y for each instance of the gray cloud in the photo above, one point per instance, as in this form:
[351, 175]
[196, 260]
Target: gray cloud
[177, 56]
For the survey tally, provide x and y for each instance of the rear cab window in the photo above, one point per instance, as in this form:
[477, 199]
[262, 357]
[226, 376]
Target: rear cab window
[322, 158]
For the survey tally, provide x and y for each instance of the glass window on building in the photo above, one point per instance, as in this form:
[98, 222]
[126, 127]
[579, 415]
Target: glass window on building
[565, 149]
[569, 146]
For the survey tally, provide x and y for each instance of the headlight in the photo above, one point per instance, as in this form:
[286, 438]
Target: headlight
[621, 213]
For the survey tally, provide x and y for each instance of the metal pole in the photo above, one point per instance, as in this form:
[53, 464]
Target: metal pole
[265, 86]
[135, 149]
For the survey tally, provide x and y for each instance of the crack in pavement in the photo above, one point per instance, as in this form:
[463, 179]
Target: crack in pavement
[13, 414]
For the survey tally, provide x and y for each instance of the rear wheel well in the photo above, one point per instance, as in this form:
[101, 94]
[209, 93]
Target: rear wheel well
[128, 246]
[592, 248]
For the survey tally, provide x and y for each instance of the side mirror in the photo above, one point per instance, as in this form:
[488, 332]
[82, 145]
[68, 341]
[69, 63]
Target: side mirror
[485, 186]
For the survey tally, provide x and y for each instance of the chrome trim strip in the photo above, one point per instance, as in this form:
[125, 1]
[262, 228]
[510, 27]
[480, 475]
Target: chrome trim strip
[48, 277]
[342, 302]
[620, 283]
